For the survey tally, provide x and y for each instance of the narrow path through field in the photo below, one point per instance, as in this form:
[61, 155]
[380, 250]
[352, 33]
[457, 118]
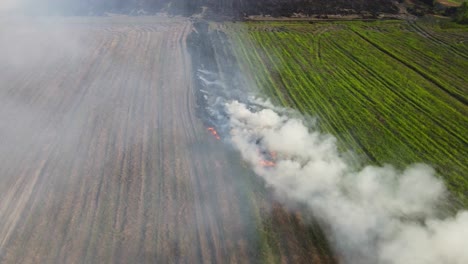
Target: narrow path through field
[425, 33]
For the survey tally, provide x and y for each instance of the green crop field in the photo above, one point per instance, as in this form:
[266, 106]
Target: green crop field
[392, 91]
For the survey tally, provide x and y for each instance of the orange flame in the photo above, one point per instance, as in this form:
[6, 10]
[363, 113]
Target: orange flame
[267, 163]
[214, 133]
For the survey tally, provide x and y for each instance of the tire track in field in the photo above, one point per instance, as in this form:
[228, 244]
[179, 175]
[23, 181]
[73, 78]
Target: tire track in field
[410, 100]
[426, 34]
[416, 69]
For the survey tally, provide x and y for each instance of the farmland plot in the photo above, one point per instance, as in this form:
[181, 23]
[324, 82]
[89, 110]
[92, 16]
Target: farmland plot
[391, 91]
[103, 160]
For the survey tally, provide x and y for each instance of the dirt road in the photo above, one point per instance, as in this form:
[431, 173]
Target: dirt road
[102, 159]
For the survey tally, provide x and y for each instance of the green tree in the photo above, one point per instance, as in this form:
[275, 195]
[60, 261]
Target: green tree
[461, 16]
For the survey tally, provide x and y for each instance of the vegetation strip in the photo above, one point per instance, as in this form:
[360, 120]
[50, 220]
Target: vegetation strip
[389, 91]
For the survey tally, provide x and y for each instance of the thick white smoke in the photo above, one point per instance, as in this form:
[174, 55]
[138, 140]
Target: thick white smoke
[9, 5]
[374, 215]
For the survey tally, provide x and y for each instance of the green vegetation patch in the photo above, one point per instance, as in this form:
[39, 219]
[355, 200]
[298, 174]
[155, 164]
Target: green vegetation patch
[392, 91]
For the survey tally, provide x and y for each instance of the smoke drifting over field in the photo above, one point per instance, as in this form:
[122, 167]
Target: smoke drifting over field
[374, 215]
[8, 5]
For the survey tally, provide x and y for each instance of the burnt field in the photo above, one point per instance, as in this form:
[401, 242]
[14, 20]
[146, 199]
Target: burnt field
[103, 158]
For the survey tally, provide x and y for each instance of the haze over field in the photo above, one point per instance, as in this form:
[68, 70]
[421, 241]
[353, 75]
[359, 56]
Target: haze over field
[7, 5]
[101, 156]
[120, 140]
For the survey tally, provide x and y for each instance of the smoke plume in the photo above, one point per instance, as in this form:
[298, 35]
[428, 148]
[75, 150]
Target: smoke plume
[8, 5]
[373, 214]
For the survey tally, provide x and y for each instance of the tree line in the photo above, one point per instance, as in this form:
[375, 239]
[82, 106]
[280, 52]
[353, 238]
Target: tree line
[221, 7]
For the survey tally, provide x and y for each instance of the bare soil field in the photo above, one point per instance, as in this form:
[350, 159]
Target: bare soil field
[102, 159]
